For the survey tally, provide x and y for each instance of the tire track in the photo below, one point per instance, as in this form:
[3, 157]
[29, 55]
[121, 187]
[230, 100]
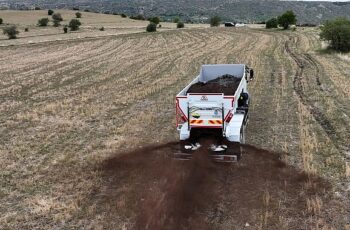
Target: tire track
[319, 116]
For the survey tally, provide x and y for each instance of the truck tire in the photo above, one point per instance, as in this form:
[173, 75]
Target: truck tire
[242, 135]
[242, 142]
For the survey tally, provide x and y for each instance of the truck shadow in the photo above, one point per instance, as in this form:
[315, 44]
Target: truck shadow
[155, 191]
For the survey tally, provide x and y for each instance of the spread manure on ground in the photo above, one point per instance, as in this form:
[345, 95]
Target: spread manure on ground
[159, 192]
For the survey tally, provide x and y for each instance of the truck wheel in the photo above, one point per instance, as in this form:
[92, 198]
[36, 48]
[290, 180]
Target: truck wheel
[242, 142]
[242, 136]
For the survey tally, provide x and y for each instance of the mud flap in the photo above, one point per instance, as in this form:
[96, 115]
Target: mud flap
[232, 153]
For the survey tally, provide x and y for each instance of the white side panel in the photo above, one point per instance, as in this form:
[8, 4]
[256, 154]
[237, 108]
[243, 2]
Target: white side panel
[233, 129]
[210, 72]
[184, 132]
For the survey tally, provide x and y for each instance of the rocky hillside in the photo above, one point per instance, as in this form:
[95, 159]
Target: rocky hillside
[201, 10]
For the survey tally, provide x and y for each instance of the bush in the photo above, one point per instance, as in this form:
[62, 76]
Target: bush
[176, 20]
[337, 33]
[57, 17]
[1, 21]
[75, 8]
[37, 8]
[78, 14]
[11, 32]
[180, 25]
[74, 24]
[26, 29]
[287, 19]
[123, 15]
[86, 10]
[215, 21]
[307, 25]
[272, 23]
[65, 29]
[43, 22]
[152, 27]
[155, 20]
[50, 12]
[102, 29]
[56, 23]
[138, 17]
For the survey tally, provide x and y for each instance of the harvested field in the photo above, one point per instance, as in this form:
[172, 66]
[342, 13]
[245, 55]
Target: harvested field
[86, 127]
[226, 84]
[91, 24]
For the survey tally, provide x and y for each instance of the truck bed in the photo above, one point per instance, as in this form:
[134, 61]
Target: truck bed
[226, 84]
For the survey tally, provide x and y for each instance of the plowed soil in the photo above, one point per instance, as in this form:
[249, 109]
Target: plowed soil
[260, 191]
[226, 84]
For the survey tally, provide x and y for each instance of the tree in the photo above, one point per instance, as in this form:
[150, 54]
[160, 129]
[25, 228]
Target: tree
[272, 23]
[176, 20]
[57, 17]
[56, 23]
[74, 24]
[155, 20]
[50, 12]
[215, 21]
[43, 22]
[123, 15]
[180, 25]
[78, 14]
[152, 27]
[11, 32]
[337, 33]
[286, 19]
[1, 21]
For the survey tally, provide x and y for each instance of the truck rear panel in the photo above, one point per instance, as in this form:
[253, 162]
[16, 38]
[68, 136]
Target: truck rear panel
[209, 110]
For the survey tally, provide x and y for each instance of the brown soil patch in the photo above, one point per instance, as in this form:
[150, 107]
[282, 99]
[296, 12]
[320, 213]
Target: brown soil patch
[165, 193]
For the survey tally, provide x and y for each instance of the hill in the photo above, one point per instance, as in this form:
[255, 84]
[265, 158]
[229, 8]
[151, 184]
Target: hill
[200, 10]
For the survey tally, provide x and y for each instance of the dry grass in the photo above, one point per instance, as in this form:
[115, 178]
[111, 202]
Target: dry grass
[67, 105]
[91, 23]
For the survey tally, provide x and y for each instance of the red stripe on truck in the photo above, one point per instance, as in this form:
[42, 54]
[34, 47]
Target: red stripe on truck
[178, 106]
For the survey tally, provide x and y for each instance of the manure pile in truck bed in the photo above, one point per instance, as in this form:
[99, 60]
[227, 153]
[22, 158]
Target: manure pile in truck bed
[226, 84]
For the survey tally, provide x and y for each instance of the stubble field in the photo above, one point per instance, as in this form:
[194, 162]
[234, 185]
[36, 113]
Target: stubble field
[86, 127]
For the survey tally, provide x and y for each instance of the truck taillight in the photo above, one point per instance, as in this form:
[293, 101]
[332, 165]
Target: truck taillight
[228, 119]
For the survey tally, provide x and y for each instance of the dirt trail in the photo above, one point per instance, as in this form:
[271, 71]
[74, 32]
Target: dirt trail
[165, 193]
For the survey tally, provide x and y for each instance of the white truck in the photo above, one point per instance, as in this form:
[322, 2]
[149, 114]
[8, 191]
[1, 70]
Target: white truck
[215, 106]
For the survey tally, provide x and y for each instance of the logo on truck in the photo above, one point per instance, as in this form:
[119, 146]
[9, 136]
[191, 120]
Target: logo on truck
[204, 98]
[196, 115]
